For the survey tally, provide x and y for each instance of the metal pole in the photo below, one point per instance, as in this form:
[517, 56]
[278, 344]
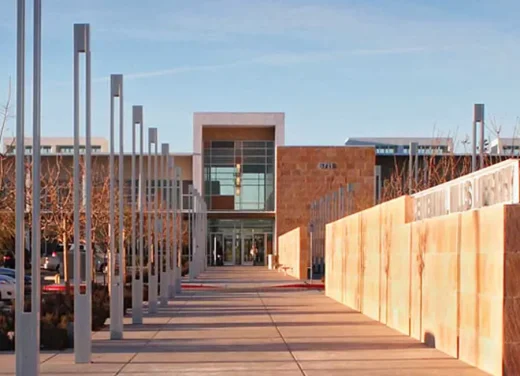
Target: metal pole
[142, 208]
[82, 301]
[482, 126]
[311, 230]
[410, 168]
[203, 235]
[27, 324]
[190, 225]
[121, 259]
[152, 261]
[171, 228]
[165, 234]
[157, 261]
[116, 297]
[137, 284]
[416, 168]
[474, 149]
[180, 240]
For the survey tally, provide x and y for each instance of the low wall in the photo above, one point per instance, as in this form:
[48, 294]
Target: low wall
[293, 252]
[452, 282]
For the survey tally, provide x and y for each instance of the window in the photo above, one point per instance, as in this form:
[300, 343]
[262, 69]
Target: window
[240, 171]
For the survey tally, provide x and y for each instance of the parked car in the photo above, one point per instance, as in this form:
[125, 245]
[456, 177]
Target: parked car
[12, 273]
[7, 287]
[8, 260]
[54, 261]
[51, 262]
[101, 262]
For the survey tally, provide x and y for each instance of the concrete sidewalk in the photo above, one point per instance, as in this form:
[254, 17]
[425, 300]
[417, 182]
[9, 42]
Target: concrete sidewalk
[237, 331]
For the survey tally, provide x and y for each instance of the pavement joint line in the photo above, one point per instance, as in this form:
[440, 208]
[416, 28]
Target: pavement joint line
[178, 309]
[280, 334]
[51, 357]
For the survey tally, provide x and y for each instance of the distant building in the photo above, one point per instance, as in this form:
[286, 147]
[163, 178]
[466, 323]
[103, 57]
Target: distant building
[504, 146]
[401, 145]
[56, 145]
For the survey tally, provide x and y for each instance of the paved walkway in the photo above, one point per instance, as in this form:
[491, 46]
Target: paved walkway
[243, 330]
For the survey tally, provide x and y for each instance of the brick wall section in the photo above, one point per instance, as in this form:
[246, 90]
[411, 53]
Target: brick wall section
[299, 181]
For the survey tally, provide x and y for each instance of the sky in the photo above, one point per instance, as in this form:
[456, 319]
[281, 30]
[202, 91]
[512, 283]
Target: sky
[337, 68]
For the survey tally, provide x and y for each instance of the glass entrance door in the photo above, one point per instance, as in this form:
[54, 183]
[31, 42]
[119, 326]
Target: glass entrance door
[233, 247]
[216, 248]
[229, 249]
[247, 257]
[260, 246]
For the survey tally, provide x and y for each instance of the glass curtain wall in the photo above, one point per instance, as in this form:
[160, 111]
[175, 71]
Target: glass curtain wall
[239, 175]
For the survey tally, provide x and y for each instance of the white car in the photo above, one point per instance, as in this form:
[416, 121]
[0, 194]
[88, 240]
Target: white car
[51, 262]
[7, 287]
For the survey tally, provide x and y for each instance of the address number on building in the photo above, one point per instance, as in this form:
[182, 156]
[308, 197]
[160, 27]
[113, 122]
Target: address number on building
[327, 166]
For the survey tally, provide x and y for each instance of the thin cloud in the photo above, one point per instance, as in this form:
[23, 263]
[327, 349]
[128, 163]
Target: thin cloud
[277, 59]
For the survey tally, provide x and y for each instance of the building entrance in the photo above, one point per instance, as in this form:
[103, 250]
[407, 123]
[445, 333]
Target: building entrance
[235, 247]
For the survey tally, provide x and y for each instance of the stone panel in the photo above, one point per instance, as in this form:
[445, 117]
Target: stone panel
[299, 181]
[511, 314]
[293, 252]
[398, 307]
[481, 288]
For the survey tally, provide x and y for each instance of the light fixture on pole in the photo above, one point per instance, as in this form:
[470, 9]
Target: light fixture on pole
[152, 212]
[137, 267]
[82, 300]
[27, 323]
[116, 291]
[165, 226]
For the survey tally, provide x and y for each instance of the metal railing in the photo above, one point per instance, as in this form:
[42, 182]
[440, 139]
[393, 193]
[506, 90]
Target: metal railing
[497, 184]
[330, 207]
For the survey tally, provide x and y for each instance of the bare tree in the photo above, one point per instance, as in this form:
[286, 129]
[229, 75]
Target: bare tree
[7, 198]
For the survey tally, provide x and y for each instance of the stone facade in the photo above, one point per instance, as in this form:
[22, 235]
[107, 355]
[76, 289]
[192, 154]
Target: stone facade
[299, 180]
[294, 252]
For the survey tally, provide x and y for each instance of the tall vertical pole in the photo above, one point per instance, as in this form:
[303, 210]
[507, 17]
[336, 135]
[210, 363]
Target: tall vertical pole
[179, 221]
[27, 354]
[82, 301]
[27, 343]
[152, 262]
[137, 284]
[142, 209]
[482, 126]
[116, 293]
[190, 229]
[122, 250]
[165, 234]
[36, 188]
[157, 261]
[416, 168]
[474, 139]
[171, 229]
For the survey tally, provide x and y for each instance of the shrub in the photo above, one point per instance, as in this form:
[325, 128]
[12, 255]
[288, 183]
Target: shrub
[53, 332]
[6, 328]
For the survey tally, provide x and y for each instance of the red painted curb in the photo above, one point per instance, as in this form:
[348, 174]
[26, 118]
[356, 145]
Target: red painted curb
[301, 286]
[188, 287]
[61, 288]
